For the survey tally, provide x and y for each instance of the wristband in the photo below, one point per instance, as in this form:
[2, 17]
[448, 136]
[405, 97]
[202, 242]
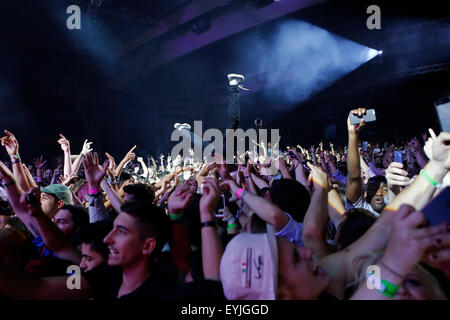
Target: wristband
[243, 194]
[176, 217]
[93, 191]
[9, 183]
[16, 161]
[210, 223]
[15, 156]
[238, 193]
[231, 226]
[424, 174]
[388, 289]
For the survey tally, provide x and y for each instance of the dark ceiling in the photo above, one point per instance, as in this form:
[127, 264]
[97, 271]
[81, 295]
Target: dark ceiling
[136, 67]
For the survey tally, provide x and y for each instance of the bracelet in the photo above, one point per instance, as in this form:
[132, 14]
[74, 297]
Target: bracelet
[210, 223]
[392, 271]
[16, 161]
[231, 226]
[15, 156]
[9, 183]
[176, 217]
[93, 191]
[424, 174]
[388, 289]
[238, 193]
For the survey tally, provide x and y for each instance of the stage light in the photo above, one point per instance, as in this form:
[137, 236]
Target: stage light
[380, 52]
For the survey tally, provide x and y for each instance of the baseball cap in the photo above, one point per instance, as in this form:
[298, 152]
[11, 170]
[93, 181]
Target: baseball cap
[60, 191]
[249, 266]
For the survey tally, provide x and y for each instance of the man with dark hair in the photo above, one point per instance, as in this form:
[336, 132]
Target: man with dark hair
[94, 251]
[290, 196]
[138, 235]
[138, 192]
[377, 187]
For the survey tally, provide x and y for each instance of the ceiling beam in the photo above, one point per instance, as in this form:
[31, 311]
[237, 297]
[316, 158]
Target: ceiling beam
[223, 25]
[191, 11]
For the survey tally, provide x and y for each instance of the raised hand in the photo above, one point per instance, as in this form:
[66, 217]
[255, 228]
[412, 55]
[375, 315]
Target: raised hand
[39, 163]
[409, 240]
[65, 144]
[10, 143]
[299, 156]
[179, 199]
[429, 143]
[441, 149]
[317, 177]
[93, 172]
[397, 177]
[69, 180]
[211, 195]
[86, 147]
[130, 155]
[111, 166]
[229, 184]
[356, 128]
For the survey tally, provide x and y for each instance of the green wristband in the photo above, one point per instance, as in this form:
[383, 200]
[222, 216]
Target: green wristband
[231, 226]
[388, 289]
[424, 174]
[175, 217]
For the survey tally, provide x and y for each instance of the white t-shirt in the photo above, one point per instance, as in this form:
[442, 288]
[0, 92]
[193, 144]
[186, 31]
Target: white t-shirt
[361, 203]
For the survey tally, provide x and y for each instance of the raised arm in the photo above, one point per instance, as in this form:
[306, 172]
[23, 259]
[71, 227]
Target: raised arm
[128, 157]
[340, 265]
[144, 167]
[336, 208]
[65, 146]
[12, 147]
[263, 208]
[408, 243]
[284, 169]
[423, 188]
[53, 236]
[354, 184]
[316, 218]
[29, 177]
[297, 159]
[248, 181]
[94, 175]
[77, 163]
[114, 197]
[179, 243]
[212, 249]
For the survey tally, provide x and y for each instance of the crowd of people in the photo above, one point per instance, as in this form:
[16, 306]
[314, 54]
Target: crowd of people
[316, 227]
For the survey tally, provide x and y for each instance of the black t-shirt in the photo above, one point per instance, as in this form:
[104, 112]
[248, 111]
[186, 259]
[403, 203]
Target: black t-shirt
[105, 281]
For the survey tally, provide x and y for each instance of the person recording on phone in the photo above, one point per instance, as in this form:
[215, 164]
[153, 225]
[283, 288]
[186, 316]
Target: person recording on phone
[373, 198]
